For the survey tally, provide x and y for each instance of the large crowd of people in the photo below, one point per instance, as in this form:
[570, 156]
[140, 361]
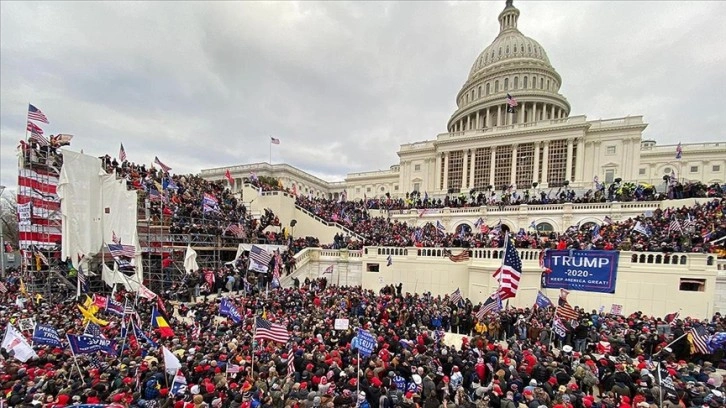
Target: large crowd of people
[508, 358]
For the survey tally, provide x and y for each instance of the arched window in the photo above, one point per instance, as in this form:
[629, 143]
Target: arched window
[496, 86]
[548, 84]
[541, 83]
[478, 92]
[463, 227]
[524, 80]
[507, 50]
[545, 227]
[516, 82]
[500, 51]
[487, 89]
[506, 84]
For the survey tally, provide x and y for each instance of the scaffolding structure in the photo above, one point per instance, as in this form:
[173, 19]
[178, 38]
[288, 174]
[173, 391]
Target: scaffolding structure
[39, 167]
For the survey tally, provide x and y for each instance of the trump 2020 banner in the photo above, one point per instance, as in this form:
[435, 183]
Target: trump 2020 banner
[589, 271]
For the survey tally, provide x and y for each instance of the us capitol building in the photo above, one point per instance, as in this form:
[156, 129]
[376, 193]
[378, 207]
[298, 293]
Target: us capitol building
[490, 144]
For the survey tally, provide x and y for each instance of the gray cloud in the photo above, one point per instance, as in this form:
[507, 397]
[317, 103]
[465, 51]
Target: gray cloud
[341, 84]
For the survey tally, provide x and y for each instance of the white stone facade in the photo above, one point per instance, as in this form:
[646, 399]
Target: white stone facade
[535, 141]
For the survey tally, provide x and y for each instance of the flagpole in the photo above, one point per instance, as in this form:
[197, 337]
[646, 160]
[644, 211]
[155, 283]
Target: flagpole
[123, 318]
[75, 361]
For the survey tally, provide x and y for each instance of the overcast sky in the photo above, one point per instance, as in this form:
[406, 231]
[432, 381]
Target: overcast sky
[342, 85]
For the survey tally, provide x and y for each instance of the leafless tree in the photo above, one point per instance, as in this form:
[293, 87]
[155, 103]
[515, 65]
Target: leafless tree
[10, 218]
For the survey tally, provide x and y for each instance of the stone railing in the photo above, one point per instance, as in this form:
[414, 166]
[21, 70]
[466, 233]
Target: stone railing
[560, 216]
[345, 230]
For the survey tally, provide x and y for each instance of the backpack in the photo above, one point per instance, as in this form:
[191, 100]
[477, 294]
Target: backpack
[395, 398]
[384, 402]
[589, 379]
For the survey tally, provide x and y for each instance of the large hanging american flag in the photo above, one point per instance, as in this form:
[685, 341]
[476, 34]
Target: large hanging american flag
[264, 330]
[116, 250]
[36, 114]
[37, 194]
[510, 272]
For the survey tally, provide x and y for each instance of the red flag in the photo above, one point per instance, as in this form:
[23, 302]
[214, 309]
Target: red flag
[161, 306]
[228, 175]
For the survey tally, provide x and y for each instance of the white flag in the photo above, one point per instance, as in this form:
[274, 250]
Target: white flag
[190, 260]
[149, 294]
[171, 363]
[15, 342]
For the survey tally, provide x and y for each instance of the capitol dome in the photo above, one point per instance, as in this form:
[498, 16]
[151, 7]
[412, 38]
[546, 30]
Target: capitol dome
[512, 65]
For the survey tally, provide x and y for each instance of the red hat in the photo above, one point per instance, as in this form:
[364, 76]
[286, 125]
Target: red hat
[527, 392]
[497, 390]
[573, 386]
[376, 382]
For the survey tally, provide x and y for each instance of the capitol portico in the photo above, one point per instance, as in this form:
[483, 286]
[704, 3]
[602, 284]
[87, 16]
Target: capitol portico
[494, 141]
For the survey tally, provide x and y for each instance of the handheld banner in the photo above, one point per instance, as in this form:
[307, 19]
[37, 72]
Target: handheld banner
[366, 342]
[589, 271]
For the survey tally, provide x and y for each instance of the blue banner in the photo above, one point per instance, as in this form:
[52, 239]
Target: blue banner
[366, 342]
[87, 344]
[226, 308]
[46, 335]
[115, 308]
[140, 335]
[588, 271]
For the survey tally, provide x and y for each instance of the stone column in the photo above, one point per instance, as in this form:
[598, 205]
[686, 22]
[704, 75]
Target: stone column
[499, 115]
[468, 122]
[552, 115]
[513, 172]
[534, 112]
[446, 171]
[545, 163]
[491, 165]
[463, 169]
[478, 125]
[473, 168]
[521, 112]
[627, 161]
[536, 162]
[487, 120]
[596, 161]
[580, 160]
[568, 165]
[437, 172]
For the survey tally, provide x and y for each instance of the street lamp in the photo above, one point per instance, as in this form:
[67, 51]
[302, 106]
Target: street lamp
[2, 236]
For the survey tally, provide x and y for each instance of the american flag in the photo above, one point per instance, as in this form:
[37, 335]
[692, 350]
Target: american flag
[290, 363]
[679, 151]
[461, 257]
[163, 166]
[42, 257]
[675, 226]
[154, 195]
[82, 281]
[699, 340]
[33, 128]
[93, 330]
[511, 103]
[36, 114]
[389, 260]
[274, 140]
[264, 330]
[3, 288]
[118, 250]
[260, 256]
[607, 220]
[456, 296]
[564, 310]
[329, 270]
[116, 240]
[122, 153]
[233, 368]
[440, 226]
[493, 304]
[510, 272]
[689, 222]
[235, 230]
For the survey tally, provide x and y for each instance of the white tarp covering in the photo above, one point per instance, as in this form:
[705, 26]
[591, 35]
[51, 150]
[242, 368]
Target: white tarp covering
[190, 260]
[112, 277]
[79, 188]
[269, 248]
[94, 206]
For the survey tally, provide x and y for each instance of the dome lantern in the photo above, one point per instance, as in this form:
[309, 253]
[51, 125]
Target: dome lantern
[508, 17]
